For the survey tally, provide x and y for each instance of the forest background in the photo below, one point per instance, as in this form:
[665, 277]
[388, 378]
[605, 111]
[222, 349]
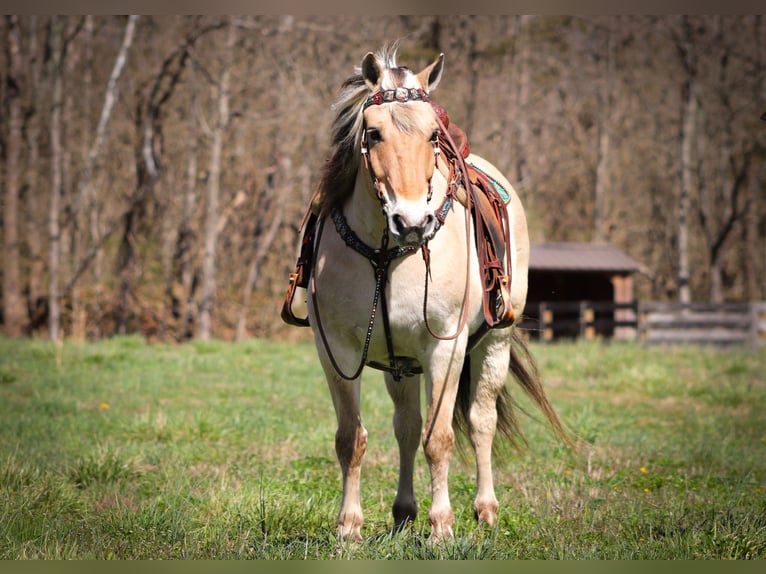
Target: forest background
[155, 169]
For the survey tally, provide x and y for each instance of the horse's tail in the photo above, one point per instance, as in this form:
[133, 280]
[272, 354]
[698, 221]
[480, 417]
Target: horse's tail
[524, 370]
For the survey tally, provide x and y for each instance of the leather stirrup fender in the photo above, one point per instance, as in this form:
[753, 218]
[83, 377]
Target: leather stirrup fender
[300, 278]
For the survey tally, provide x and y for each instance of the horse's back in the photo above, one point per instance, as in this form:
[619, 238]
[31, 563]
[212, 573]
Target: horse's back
[519, 235]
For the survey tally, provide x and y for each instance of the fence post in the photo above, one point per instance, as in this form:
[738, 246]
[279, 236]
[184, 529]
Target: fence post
[587, 316]
[546, 323]
[755, 320]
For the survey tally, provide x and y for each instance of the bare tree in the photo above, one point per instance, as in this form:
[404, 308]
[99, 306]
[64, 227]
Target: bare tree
[33, 197]
[610, 127]
[521, 91]
[58, 25]
[82, 209]
[13, 304]
[686, 49]
[720, 212]
[182, 284]
[148, 123]
[601, 186]
[753, 258]
[208, 281]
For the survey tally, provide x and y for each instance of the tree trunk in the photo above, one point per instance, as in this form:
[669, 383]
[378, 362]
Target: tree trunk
[78, 311]
[186, 239]
[688, 135]
[473, 71]
[13, 304]
[719, 215]
[754, 263]
[207, 288]
[33, 200]
[523, 82]
[601, 186]
[181, 289]
[58, 25]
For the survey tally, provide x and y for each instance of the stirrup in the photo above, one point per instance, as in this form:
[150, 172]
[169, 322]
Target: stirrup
[288, 313]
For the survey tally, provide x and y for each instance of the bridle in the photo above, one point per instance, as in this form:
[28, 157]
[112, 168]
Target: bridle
[381, 258]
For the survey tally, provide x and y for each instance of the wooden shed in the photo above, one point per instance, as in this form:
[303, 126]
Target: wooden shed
[580, 289]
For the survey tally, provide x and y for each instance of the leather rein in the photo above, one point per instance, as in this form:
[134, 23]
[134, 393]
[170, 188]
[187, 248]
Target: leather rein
[381, 258]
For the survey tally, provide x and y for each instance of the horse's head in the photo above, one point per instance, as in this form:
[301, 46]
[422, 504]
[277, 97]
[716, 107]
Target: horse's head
[400, 145]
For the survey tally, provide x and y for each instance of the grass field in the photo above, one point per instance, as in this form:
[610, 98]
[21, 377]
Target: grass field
[120, 449]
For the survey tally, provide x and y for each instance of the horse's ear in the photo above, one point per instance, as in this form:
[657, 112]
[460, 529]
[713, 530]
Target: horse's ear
[372, 72]
[430, 77]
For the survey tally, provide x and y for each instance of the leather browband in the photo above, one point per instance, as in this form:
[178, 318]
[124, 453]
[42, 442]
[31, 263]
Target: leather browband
[397, 95]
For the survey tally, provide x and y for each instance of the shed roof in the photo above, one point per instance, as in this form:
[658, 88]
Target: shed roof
[580, 257]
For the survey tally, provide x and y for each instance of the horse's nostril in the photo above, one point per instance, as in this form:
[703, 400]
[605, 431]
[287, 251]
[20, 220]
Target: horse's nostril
[430, 218]
[399, 223]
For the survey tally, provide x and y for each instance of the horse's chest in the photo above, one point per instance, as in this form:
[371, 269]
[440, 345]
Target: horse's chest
[352, 305]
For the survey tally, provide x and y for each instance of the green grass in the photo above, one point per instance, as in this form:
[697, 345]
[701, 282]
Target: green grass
[120, 449]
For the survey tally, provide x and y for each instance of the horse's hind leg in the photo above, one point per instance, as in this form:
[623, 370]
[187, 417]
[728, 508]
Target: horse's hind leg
[489, 370]
[407, 425]
[350, 446]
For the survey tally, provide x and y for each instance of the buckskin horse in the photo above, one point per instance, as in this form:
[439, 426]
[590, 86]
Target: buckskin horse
[414, 256]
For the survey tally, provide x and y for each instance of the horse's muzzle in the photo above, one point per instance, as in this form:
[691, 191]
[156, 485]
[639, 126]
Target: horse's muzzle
[407, 230]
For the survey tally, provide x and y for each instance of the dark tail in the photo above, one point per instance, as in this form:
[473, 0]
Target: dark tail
[524, 370]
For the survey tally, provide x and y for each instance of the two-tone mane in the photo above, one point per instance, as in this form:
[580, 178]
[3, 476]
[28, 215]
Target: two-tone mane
[339, 173]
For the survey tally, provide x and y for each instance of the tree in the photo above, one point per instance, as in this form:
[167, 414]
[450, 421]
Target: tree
[207, 289]
[609, 127]
[83, 210]
[57, 47]
[601, 186]
[152, 100]
[33, 199]
[14, 313]
[720, 209]
[687, 53]
[753, 259]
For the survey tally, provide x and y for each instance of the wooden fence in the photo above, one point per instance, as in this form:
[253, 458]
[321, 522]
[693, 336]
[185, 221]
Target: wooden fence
[654, 323]
[719, 324]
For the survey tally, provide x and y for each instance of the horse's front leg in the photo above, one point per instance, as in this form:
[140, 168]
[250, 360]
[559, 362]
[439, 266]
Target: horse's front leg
[350, 446]
[438, 436]
[407, 425]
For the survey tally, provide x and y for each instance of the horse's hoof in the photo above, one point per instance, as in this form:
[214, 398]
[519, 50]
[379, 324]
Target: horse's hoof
[350, 528]
[485, 511]
[353, 534]
[487, 516]
[441, 532]
[441, 524]
[404, 515]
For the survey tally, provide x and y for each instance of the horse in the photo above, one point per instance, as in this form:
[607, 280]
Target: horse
[395, 284]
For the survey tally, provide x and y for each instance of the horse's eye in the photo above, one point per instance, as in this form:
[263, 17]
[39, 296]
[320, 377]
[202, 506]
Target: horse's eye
[374, 136]
[434, 136]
